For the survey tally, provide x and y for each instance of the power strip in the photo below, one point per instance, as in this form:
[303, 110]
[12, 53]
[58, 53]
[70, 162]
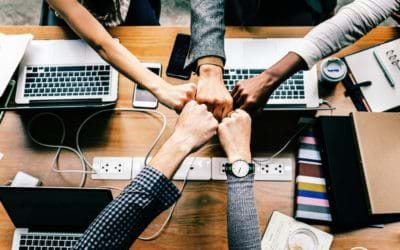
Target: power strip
[279, 169]
[201, 168]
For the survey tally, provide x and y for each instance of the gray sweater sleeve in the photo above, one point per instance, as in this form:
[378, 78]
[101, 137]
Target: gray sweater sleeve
[243, 225]
[207, 30]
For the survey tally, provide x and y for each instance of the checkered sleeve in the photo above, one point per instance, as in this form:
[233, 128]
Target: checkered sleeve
[123, 220]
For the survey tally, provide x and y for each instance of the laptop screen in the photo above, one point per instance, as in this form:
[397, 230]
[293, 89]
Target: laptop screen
[54, 209]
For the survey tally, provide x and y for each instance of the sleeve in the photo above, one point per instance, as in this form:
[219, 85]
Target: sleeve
[243, 225]
[207, 31]
[351, 23]
[123, 220]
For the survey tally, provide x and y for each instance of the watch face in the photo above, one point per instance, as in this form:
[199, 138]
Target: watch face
[240, 168]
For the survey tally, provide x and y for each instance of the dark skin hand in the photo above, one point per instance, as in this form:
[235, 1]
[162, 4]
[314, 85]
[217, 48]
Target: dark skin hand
[253, 93]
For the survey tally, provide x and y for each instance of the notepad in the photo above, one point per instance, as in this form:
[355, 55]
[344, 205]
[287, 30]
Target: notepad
[364, 66]
[378, 137]
[12, 49]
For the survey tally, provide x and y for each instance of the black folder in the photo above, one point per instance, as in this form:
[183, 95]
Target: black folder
[344, 180]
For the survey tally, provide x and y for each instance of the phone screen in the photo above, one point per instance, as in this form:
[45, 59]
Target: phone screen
[177, 60]
[143, 95]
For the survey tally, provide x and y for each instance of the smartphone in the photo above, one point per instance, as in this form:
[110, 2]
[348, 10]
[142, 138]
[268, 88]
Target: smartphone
[142, 98]
[177, 59]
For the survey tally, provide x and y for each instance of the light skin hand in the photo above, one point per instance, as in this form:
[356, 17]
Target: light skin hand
[234, 134]
[212, 92]
[176, 96]
[254, 92]
[194, 127]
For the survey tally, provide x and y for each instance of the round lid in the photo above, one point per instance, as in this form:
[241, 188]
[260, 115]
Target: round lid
[334, 69]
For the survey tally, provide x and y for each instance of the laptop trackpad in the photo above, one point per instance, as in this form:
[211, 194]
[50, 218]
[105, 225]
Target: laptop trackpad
[259, 53]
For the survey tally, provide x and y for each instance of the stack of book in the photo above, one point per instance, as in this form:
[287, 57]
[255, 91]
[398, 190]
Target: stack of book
[360, 155]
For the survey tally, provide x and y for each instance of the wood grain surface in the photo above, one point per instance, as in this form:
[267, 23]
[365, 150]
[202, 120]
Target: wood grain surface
[200, 218]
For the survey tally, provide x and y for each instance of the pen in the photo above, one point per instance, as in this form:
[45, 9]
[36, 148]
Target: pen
[385, 70]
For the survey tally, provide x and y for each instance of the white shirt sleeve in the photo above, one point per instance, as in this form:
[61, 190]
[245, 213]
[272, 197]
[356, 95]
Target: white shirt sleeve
[351, 23]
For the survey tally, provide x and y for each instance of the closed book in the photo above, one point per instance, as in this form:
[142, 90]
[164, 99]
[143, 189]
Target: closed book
[378, 140]
[345, 185]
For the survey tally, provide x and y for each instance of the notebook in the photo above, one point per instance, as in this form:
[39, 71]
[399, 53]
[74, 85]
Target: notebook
[378, 137]
[12, 49]
[312, 202]
[344, 180]
[366, 66]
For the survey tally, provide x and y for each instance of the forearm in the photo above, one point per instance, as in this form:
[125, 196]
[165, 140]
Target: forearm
[127, 64]
[90, 30]
[243, 224]
[171, 155]
[207, 30]
[282, 70]
[125, 218]
[351, 23]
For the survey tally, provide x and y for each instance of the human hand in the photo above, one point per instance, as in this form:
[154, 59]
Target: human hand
[176, 96]
[195, 126]
[212, 92]
[252, 93]
[234, 135]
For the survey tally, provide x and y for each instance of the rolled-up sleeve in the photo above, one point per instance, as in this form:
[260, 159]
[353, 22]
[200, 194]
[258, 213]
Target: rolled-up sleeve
[351, 23]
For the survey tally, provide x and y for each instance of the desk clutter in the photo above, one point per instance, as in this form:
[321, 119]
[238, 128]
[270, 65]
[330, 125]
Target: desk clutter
[347, 171]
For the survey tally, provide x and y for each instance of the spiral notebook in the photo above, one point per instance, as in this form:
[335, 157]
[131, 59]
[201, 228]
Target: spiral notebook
[379, 65]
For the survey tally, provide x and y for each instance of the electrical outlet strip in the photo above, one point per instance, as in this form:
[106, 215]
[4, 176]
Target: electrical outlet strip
[279, 169]
[112, 168]
[137, 165]
[200, 169]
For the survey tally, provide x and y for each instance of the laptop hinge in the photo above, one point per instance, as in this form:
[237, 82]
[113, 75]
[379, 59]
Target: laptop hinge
[65, 101]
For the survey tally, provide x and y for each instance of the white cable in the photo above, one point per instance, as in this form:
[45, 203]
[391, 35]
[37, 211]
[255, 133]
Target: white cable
[55, 166]
[269, 160]
[171, 212]
[329, 104]
[164, 119]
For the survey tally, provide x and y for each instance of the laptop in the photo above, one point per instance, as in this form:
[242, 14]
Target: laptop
[51, 218]
[246, 58]
[64, 71]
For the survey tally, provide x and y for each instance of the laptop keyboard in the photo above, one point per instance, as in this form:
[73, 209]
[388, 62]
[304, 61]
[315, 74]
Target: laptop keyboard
[48, 242]
[293, 88]
[64, 81]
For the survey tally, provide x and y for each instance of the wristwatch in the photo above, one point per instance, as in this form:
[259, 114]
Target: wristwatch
[239, 168]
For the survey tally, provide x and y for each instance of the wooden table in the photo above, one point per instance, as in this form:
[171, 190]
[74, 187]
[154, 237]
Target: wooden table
[199, 221]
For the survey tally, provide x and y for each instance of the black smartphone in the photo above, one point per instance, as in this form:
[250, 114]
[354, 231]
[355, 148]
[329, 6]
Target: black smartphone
[177, 59]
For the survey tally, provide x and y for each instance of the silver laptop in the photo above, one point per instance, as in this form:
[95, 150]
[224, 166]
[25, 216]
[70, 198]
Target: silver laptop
[51, 218]
[64, 71]
[246, 58]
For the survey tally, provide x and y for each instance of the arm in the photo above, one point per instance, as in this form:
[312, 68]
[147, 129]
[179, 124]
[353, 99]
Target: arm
[151, 192]
[89, 29]
[207, 55]
[352, 22]
[243, 225]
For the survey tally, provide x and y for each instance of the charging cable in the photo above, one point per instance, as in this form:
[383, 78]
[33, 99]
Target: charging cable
[327, 103]
[55, 166]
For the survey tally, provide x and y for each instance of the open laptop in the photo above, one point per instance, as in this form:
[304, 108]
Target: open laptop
[246, 58]
[64, 71]
[51, 218]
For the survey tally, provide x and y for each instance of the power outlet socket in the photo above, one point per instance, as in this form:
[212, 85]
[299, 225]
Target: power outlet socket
[280, 169]
[112, 168]
[199, 167]
[137, 165]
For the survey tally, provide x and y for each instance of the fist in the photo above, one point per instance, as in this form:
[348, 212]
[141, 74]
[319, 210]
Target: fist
[234, 135]
[195, 125]
[176, 96]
